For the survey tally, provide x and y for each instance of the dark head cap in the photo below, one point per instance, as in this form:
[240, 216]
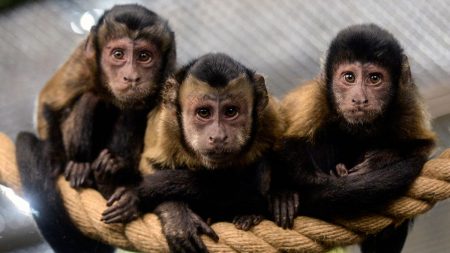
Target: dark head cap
[216, 69]
[365, 43]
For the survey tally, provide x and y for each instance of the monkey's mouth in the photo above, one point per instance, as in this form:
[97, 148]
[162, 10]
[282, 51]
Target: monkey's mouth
[219, 155]
[358, 115]
[133, 95]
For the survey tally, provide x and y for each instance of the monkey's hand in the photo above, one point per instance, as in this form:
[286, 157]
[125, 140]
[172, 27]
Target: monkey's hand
[123, 206]
[284, 206]
[246, 222]
[182, 227]
[106, 165]
[78, 174]
[373, 160]
[340, 170]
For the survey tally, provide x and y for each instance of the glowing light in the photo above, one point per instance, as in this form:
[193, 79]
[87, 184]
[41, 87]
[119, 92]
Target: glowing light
[75, 28]
[87, 21]
[22, 205]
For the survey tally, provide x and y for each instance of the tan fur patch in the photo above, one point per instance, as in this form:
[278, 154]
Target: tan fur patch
[73, 78]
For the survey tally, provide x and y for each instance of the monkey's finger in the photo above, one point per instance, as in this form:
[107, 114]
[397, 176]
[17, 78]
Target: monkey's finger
[103, 152]
[109, 166]
[81, 170]
[283, 211]
[125, 216]
[104, 162]
[79, 175]
[276, 210]
[115, 219]
[257, 219]
[96, 163]
[198, 244]
[296, 202]
[110, 210]
[114, 215]
[207, 230]
[237, 222]
[101, 161]
[73, 175]
[182, 245]
[102, 157]
[290, 212]
[68, 170]
[116, 196]
[246, 224]
[85, 173]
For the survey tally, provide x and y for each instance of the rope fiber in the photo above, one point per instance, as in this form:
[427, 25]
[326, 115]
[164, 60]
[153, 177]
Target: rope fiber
[308, 235]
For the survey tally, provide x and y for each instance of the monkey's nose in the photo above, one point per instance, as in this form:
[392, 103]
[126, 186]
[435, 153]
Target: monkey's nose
[131, 79]
[360, 101]
[218, 140]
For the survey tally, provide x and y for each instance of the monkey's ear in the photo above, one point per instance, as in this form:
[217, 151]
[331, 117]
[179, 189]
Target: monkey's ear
[89, 46]
[170, 90]
[405, 76]
[262, 98]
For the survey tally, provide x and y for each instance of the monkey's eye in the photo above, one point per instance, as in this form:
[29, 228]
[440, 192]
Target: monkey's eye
[118, 54]
[144, 56]
[231, 112]
[349, 77]
[204, 113]
[375, 78]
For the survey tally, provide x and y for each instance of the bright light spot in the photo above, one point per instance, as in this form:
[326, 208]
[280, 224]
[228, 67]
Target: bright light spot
[87, 21]
[22, 205]
[75, 28]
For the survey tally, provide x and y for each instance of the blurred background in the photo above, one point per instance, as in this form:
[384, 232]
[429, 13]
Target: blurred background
[284, 40]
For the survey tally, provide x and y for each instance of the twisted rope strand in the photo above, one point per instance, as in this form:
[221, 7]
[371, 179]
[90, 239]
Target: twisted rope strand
[308, 235]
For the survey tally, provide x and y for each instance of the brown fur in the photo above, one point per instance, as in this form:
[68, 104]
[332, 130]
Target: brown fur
[307, 109]
[77, 75]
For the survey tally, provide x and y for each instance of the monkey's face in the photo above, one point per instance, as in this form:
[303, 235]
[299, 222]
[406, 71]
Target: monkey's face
[217, 122]
[361, 91]
[130, 69]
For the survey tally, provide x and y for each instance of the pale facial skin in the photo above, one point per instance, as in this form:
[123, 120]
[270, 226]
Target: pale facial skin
[216, 121]
[361, 91]
[129, 67]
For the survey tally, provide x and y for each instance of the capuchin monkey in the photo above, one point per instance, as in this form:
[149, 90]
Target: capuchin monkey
[357, 137]
[92, 119]
[204, 149]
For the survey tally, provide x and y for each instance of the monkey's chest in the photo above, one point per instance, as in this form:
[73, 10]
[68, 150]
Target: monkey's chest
[325, 156]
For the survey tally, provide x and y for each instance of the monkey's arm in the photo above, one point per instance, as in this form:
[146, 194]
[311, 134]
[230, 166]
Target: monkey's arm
[222, 194]
[163, 185]
[116, 165]
[78, 136]
[367, 190]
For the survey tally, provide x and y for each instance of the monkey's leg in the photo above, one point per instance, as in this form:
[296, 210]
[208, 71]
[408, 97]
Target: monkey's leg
[390, 240]
[40, 189]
